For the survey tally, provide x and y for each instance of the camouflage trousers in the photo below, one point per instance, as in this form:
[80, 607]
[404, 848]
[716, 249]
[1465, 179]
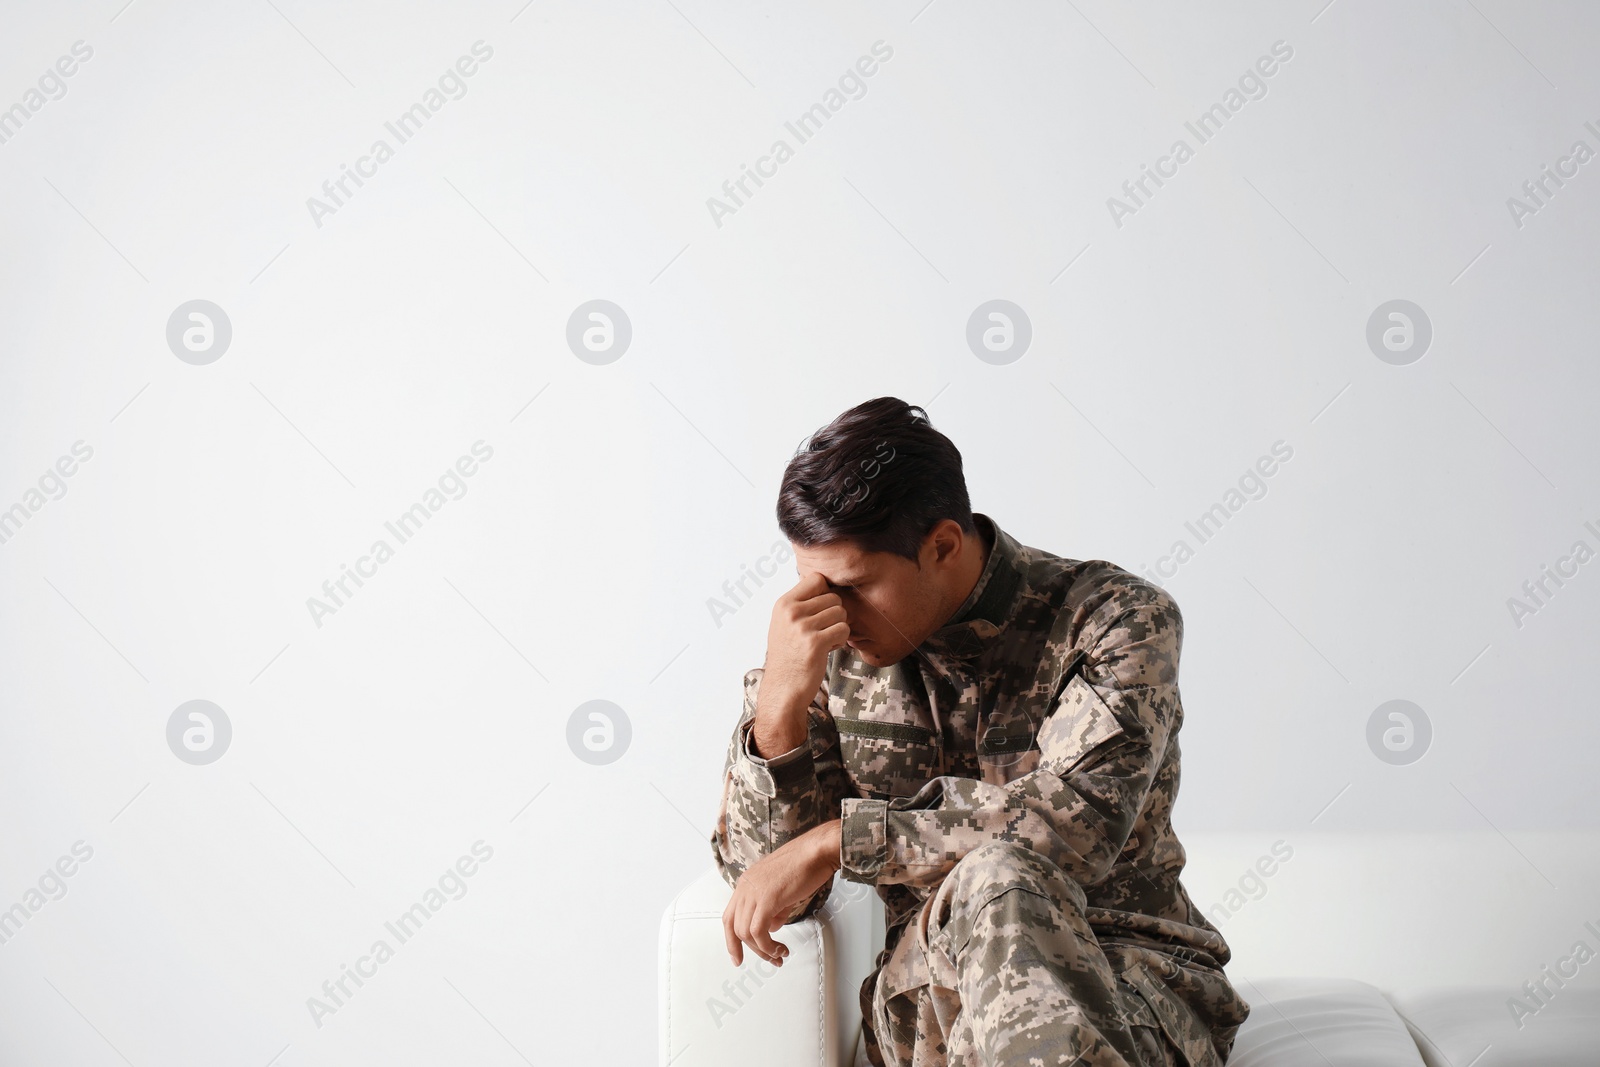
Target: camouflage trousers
[999, 968]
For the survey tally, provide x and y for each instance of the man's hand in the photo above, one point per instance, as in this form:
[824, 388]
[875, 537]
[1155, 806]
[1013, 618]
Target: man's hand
[774, 888]
[808, 622]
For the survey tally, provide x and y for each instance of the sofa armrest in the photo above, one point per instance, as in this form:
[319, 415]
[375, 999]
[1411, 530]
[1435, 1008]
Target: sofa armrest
[806, 1013]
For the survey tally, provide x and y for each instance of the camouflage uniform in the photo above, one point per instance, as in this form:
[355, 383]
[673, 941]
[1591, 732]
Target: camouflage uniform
[1008, 789]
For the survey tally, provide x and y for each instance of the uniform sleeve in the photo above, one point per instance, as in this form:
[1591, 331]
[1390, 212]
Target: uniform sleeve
[766, 803]
[1101, 745]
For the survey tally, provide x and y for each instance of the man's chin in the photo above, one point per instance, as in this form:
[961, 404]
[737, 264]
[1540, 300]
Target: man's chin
[876, 656]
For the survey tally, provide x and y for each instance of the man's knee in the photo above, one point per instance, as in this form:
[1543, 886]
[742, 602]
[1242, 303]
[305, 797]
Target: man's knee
[1001, 866]
[990, 876]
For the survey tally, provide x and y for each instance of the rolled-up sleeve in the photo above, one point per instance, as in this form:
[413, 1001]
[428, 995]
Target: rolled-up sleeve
[767, 803]
[1101, 745]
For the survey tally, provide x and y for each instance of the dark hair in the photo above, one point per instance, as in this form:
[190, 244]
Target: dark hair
[879, 475]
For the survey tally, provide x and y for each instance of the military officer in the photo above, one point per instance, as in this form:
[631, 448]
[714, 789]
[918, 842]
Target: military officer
[988, 734]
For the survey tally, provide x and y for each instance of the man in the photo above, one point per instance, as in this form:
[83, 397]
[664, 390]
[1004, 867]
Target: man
[988, 734]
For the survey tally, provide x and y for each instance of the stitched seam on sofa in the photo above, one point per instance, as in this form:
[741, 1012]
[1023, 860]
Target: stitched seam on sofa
[672, 937]
[822, 1006]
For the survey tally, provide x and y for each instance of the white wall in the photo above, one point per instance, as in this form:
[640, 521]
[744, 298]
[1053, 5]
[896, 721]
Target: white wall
[371, 347]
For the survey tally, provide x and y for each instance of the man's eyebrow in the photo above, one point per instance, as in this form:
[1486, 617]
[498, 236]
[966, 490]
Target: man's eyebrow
[852, 579]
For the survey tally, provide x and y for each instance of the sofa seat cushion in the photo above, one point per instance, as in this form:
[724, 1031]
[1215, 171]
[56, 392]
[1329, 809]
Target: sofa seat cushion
[1489, 1027]
[1320, 1022]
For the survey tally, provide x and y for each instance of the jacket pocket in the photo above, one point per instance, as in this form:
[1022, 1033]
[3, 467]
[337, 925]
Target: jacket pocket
[1081, 722]
[1178, 1021]
[887, 759]
[1000, 740]
[1008, 747]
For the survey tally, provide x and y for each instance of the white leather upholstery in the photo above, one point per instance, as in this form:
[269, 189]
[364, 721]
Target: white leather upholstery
[1406, 912]
[805, 1014]
[1413, 915]
[1459, 1026]
[1320, 1022]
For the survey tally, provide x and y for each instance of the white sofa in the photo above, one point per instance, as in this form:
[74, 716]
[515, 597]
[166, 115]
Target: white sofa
[1359, 949]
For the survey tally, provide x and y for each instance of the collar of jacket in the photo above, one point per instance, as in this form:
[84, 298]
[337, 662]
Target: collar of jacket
[987, 609]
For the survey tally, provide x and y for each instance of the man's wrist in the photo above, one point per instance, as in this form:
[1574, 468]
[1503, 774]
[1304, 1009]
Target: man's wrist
[827, 844]
[780, 726]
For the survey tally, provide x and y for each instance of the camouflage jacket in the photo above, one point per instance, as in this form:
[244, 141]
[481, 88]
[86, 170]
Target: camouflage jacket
[1046, 711]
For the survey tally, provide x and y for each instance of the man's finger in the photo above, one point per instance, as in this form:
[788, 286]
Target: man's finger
[821, 602]
[837, 635]
[735, 949]
[757, 951]
[774, 924]
[831, 615]
[776, 961]
[744, 928]
[761, 937]
[808, 586]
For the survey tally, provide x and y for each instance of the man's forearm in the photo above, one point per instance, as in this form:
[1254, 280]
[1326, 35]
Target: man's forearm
[781, 724]
[765, 806]
[823, 842]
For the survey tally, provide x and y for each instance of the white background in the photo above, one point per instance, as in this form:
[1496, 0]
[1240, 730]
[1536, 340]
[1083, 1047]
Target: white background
[368, 353]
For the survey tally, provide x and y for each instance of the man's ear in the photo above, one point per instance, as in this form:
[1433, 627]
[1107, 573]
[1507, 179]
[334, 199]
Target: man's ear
[946, 537]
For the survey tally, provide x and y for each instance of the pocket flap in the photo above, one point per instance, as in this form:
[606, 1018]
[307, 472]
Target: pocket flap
[887, 759]
[1178, 1021]
[1081, 722]
[887, 731]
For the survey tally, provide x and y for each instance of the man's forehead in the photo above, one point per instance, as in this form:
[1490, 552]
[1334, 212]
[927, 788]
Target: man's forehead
[838, 560]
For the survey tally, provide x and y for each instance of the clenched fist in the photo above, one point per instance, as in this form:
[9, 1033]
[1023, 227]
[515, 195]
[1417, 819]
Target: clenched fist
[808, 622]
